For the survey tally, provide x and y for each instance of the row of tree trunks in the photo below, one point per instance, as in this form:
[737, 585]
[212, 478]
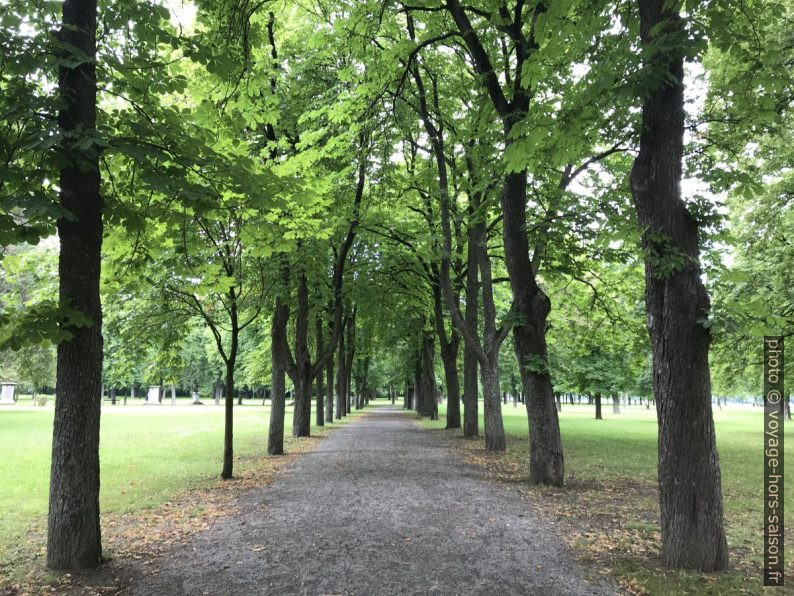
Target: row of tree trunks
[449, 344]
[530, 304]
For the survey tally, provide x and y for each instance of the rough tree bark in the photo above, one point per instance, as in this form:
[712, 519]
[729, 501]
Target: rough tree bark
[598, 406]
[690, 492]
[427, 404]
[278, 339]
[300, 368]
[73, 532]
[615, 404]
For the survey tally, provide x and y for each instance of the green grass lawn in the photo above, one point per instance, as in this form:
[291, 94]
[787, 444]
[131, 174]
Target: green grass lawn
[148, 454]
[621, 449]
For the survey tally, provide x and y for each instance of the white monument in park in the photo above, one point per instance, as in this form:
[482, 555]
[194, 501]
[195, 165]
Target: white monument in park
[153, 397]
[196, 401]
[7, 395]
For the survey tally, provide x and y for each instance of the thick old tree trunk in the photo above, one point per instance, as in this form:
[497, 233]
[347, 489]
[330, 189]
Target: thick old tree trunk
[73, 534]
[450, 358]
[546, 464]
[615, 404]
[690, 492]
[598, 406]
[301, 418]
[301, 372]
[278, 338]
[492, 407]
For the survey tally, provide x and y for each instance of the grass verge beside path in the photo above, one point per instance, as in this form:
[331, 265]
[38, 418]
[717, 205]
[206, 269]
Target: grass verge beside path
[608, 510]
[160, 470]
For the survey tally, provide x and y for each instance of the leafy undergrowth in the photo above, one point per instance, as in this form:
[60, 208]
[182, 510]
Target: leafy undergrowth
[611, 519]
[131, 541]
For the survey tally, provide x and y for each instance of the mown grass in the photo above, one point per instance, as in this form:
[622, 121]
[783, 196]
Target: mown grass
[148, 456]
[611, 503]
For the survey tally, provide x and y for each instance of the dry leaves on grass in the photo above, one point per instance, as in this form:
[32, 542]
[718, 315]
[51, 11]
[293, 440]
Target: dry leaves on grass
[133, 541]
[603, 521]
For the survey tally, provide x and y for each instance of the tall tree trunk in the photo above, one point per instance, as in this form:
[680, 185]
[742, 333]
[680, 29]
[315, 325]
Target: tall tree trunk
[532, 306]
[492, 407]
[228, 432]
[690, 491]
[350, 344]
[495, 439]
[73, 533]
[426, 381]
[319, 383]
[449, 347]
[366, 381]
[471, 418]
[228, 428]
[615, 404]
[301, 373]
[329, 381]
[278, 339]
[598, 406]
[320, 405]
[301, 418]
[341, 383]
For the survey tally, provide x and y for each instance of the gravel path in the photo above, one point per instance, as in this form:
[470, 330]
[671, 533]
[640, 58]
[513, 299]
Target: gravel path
[380, 507]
